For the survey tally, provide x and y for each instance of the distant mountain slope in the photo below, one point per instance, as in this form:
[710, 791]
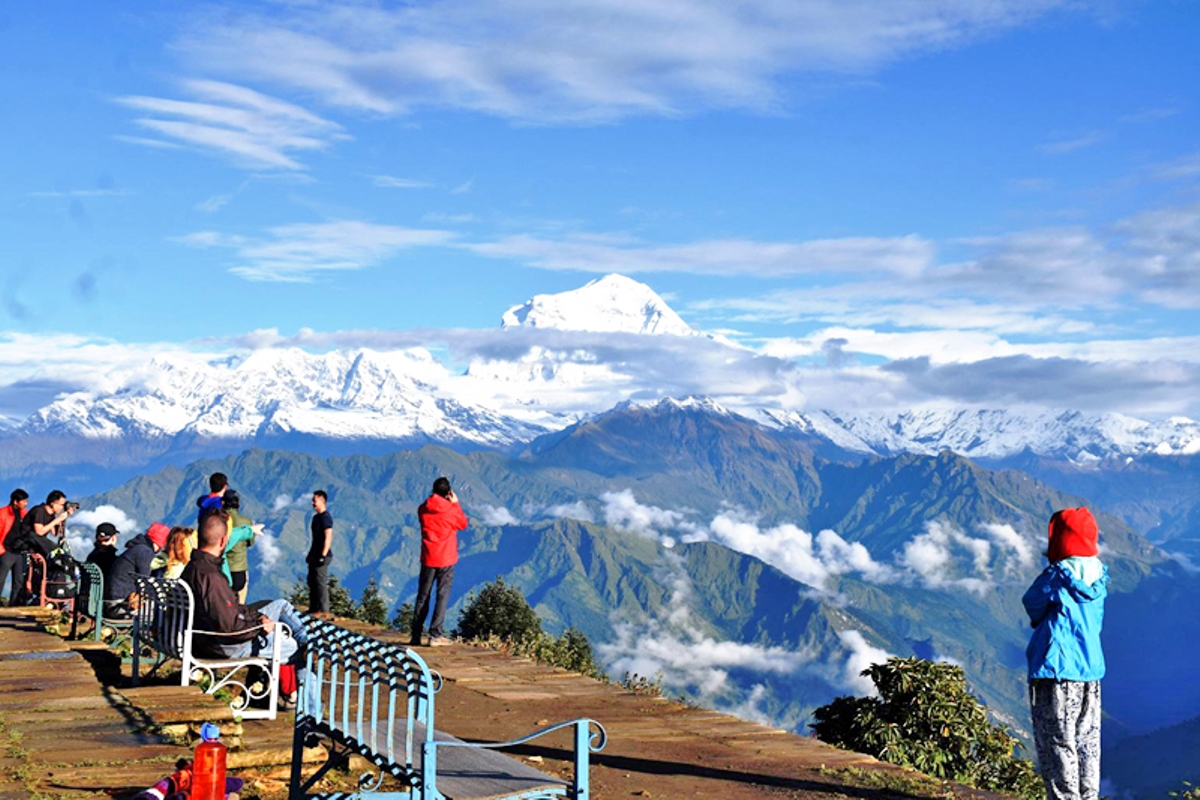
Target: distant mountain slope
[680, 531]
[1154, 765]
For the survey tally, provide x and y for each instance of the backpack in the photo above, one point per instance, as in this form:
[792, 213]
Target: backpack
[62, 575]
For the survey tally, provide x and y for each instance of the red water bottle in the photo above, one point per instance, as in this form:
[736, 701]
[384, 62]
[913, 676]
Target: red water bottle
[208, 770]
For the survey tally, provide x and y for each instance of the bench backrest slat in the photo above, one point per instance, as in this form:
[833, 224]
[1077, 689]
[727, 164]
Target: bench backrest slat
[164, 615]
[355, 688]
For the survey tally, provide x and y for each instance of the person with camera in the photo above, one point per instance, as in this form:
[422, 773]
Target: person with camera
[42, 528]
[441, 519]
[41, 531]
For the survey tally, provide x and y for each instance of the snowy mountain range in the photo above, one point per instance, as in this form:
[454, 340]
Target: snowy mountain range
[354, 399]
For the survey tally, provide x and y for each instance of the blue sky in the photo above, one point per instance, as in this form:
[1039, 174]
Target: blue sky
[958, 196]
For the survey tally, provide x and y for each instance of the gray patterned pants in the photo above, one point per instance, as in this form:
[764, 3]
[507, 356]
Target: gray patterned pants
[1066, 731]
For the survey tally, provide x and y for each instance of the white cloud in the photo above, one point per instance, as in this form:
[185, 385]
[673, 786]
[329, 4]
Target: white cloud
[250, 129]
[861, 655]
[1006, 537]
[495, 515]
[946, 557]
[689, 658]
[282, 501]
[81, 527]
[907, 255]
[624, 512]
[577, 510]
[796, 552]
[590, 61]
[298, 253]
[267, 551]
[392, 182]
[1060, 147]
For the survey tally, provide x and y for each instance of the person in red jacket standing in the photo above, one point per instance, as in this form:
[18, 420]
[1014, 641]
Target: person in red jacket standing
[441, 519]
[12, 563]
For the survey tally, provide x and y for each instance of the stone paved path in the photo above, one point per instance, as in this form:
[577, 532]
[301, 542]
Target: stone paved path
[65, 733]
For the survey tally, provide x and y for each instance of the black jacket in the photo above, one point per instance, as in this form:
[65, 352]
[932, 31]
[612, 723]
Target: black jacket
[217, 607]
[103, 556]
[119, 583]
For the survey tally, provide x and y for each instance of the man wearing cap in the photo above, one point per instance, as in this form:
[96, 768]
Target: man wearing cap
[1066, 611]
[104, 553]
[135, 561]
[12, 562]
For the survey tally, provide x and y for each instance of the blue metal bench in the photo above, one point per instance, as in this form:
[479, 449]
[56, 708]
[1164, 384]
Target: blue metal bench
[376, 700]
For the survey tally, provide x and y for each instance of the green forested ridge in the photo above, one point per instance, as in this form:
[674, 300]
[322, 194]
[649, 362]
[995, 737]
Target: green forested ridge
[602, 580]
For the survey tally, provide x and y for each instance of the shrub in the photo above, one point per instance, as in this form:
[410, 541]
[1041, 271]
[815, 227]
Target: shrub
[403, 621]
[340, 602]
[925, 718]
[371, 606]
[500, 611]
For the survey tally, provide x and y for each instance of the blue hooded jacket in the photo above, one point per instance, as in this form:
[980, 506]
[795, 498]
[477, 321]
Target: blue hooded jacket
[1066, 614]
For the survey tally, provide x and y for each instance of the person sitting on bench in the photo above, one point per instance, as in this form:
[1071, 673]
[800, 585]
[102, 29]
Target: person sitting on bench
[246, 630]
[135, 561]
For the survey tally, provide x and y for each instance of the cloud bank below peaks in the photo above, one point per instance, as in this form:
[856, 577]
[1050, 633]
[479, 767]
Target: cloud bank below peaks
[941, 557]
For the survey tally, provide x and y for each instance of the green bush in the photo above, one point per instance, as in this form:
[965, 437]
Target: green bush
[925, 718]
[372, 609]
[499, 611]
[571, 651]
[340, 602]
[403, 621]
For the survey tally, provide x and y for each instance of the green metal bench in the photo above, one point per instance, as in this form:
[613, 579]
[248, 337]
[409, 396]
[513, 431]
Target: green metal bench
[375, 700]
[89, 602]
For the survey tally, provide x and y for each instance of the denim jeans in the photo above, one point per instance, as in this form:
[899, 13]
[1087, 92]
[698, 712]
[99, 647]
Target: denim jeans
[445, 580]
[289, 649]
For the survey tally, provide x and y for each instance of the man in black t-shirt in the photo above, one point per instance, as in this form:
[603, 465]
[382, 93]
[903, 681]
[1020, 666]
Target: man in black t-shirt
[319, 554]
[42, 529]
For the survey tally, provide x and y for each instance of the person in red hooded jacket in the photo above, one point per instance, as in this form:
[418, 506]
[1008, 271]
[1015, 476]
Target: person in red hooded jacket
[441, 519]
[12, 563]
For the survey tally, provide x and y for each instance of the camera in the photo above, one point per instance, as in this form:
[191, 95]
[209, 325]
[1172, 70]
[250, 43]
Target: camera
[72, 507]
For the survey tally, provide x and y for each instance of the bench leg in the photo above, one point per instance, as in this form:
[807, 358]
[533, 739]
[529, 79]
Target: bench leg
[137, 652]
[583, 750]
[295, 787]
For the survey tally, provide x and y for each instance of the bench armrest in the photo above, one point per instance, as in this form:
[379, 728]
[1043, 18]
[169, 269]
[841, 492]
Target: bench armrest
[198, 632]
[586, 743]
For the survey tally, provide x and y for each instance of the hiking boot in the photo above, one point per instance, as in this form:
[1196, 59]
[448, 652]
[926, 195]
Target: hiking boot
[439, 641]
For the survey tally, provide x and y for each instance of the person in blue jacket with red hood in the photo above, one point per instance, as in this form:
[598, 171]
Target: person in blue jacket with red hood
[1066, 611]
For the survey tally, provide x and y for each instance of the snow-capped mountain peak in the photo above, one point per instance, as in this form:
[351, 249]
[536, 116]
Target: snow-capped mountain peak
[612, 304]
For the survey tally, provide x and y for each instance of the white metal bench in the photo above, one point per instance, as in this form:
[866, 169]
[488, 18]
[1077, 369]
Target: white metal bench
[162, 622]
[375, 700]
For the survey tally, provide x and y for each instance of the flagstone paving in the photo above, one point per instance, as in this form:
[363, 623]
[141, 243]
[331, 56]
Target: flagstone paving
[66, 733]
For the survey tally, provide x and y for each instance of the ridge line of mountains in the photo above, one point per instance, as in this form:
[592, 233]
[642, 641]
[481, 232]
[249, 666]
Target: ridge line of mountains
[759, 557]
